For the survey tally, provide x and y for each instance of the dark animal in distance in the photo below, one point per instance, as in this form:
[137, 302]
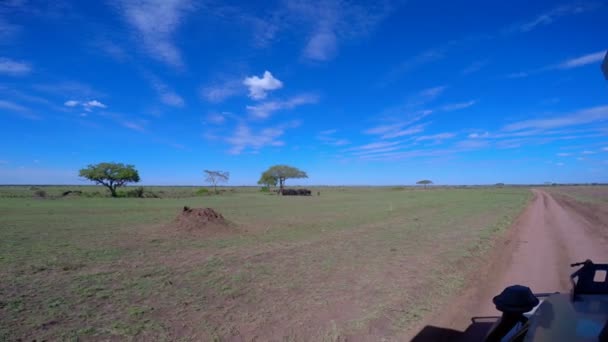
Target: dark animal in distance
[296, 192]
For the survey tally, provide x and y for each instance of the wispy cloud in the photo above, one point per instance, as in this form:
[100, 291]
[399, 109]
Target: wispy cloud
[155, 23]
[429, 56]
[587, 152]
[375, 145]
[550, 16]
[581, 117]
[18, 109]
[591, 58]
[564, 154]
[260, 86]
[457, 106]
[266, 109]
[131, 123]
[432, 93]
[576, 62]
[220, 91]
[136, 126]
[328, 137]
[111, 49]
[436, 137]
[166, 94]
[400, 128]
[245, 138]
[14, 68]
[474, 67]
[478, 135]
[333, 21]
[216, 118]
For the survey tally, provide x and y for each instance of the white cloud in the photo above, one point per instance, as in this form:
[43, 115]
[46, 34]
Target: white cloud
[155, 22]
[457, 106]
[171, 98]
[259, 87]
[375, 146]
[14, 68]
[605, 149]
[395, 130]
[89, 105]
[551, 16]
[563, 154]
[244, 137]
[216, 118]
[322, 46]
[332, 21]
[591, 58]
[133, 125]
[436, 137]
[166, 94]
[219, 92]
[12, 106]
[265, 109]
[86, 105]
[479, 135]
[433, 92]
[403, 132]
[588, 152]
[560, 164]
[328, 138]
[19, 109]
[581, 117]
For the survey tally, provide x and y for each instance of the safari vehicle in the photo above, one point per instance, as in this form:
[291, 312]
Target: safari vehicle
[581, 315]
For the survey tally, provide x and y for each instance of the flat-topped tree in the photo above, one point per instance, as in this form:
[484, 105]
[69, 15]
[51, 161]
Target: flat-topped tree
[424, 182]
[214, 177]
[281, 173]
[110, 175]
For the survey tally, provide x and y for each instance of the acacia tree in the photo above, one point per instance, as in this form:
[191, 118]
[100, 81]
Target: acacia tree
[268, 180]
[424, 182]
[215, 177]
[281, 173]
[110, 175]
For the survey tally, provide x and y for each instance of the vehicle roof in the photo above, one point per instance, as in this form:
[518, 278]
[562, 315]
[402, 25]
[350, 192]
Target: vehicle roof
[559, 318]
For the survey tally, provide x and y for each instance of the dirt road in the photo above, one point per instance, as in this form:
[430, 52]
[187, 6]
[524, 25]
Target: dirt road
[551, 233]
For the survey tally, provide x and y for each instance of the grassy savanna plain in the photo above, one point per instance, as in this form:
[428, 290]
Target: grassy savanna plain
[353, 262]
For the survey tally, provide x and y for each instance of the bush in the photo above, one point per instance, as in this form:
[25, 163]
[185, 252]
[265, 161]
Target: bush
[202, 192]
[40, 193]
[135, 193]
[265, 189]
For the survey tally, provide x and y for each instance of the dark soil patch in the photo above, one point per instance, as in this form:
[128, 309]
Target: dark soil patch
[202, 222]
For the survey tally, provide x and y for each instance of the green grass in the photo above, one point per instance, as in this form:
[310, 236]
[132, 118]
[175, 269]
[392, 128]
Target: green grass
[105, 268]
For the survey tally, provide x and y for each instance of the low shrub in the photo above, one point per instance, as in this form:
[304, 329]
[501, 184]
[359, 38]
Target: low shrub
[265, 189]
[202, 192]
[40, 193]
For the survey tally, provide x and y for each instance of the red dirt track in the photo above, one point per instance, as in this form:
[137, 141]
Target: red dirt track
[551, 233]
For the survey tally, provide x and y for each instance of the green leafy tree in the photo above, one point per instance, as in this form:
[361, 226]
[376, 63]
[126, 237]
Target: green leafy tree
[268, 180]
[214, 177]
[110, 175]
[281, 173]
[424, 182]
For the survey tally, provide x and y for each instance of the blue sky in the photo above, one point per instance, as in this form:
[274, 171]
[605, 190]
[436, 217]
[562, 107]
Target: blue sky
[379, 92]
